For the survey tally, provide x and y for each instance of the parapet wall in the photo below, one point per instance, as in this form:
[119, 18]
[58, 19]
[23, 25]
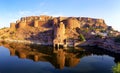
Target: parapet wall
[69, 22]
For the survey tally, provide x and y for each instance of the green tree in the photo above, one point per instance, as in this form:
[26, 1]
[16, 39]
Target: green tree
[81, 37]
[116, 68]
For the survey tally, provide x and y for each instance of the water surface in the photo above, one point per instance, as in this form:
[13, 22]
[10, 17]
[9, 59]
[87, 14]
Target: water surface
[24, 58]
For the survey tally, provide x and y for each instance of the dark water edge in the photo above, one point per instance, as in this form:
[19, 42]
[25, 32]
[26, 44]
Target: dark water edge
[26, 58]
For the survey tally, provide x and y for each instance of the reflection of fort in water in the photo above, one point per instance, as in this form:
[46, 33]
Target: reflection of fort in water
[57, 57]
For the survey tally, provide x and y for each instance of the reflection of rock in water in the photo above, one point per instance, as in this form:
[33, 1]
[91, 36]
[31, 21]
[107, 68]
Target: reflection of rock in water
[57, 57]
[12, 52]
[100, 51]
[71, 60]
[22, 55]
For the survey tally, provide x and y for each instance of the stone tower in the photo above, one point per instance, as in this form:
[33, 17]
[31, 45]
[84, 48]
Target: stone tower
[12, 26]
[22, 24]
[36, 23]
[59, 35]
[73, 23]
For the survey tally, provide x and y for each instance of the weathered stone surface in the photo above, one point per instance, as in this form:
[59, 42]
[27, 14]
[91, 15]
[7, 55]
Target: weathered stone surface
[36, 23]
[22, 25]
[62, 18]
[69, 22]
[44, 18]
[12, 26]
[92, 22]
[73, 23]
[59, 34]
[55, 29]
[55, 21]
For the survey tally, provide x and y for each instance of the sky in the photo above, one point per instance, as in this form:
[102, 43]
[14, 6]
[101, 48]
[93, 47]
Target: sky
[12, 10]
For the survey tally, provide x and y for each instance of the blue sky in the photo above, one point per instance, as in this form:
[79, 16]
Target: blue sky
[12, 10]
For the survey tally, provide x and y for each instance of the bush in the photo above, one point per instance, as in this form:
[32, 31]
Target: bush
[81, 37]
[116, 68]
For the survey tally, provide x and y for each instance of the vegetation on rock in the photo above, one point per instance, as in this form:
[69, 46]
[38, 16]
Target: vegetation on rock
[116, 68]
[81, 37]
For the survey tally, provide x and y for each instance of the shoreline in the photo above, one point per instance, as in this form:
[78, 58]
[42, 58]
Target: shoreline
[111, 48]
[106, 45]
[26, 42]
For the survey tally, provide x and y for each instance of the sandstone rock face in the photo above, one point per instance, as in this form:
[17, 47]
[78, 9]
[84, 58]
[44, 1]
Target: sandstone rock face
[101, 23]
[73, 23]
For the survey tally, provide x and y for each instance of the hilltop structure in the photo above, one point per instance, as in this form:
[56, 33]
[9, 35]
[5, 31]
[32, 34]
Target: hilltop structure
[56, 31]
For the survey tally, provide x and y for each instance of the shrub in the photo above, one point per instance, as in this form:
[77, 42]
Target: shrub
[116, 68]
[81, 37]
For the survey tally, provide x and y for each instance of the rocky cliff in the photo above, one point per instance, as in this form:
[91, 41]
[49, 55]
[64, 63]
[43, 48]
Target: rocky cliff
[52, 30]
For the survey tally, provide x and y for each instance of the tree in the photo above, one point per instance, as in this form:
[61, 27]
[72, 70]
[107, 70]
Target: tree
[116, 68]
[81, 37]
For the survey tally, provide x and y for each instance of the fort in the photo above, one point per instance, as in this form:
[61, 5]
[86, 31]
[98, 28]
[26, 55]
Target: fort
[61, 32]
[60, 28]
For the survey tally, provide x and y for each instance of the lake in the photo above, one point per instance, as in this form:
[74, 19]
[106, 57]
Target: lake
[25, 58]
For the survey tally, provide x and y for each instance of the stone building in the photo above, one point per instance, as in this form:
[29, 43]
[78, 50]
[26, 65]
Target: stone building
[62, 18]
[36, 23]
[12, 26]
[59, 27]
[59, 35]
[55, 21]
[21, 24]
